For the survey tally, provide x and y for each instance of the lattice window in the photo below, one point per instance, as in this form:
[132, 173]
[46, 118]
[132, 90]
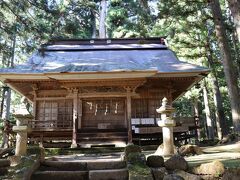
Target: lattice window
[54, 114]
[145, 108]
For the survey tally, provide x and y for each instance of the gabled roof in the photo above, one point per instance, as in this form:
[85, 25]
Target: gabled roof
[104, 55]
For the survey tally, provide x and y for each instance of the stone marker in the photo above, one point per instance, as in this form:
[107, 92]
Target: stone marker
[167, 123]
[22, 129]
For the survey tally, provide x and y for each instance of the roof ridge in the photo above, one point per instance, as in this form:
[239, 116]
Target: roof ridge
[106, 41]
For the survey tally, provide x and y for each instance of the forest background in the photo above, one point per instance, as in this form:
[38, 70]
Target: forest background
[201, 32]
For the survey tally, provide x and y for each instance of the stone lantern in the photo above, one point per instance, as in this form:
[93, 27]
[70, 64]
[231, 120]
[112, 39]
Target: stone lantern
[167, 123]
[22, 116]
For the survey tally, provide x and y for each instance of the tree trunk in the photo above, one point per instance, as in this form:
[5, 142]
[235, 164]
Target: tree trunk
[219, 113]
[93, 23]
[222, 128]
[6, 104]
[210, 128]
[234, 6]
[229, 69]
[13, 50]
[102, 26]
[6, 101]
[2, 102]
[196, 117]
[203, 131]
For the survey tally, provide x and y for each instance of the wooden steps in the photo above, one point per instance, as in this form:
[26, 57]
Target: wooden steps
[88, 139]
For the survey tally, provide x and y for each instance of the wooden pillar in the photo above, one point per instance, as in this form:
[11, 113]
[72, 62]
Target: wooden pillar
[80, 114]
[35, 102]
[129, 115]
[75, 117]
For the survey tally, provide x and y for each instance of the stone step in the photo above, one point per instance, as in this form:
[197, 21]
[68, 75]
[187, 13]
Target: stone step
[81, 166]
[60, 175]
[100, 169]
[103, 165]
[4, 162]
[63, 166]
[105, 143]
[109, 174]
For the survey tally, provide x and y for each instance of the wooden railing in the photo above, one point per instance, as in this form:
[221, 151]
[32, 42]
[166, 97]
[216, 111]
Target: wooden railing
[50, 124]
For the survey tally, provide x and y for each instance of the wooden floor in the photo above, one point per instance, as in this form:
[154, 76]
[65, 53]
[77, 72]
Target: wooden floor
[104, 136]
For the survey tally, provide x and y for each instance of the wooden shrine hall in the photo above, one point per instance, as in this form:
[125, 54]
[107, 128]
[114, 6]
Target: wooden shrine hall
[100, 90]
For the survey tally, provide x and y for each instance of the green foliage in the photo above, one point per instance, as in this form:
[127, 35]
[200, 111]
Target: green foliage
[136, 158]
[131, 148]
[139, 172]
[117, 16]
[115, 2]
[129, 18]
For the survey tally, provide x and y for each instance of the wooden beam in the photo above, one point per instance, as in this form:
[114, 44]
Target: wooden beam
[102, 95]
[75, 117]
[52, 98]
[102, 82]
[112, 94]
[52, 92]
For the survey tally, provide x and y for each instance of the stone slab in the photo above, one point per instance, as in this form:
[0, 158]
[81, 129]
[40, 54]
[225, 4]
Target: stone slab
[60, 175]
[101, 165]
[63, 166]
[112, 174]
[3, 171]
[5, 162]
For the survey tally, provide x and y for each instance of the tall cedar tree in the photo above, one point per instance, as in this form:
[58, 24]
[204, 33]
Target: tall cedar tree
[227, 61]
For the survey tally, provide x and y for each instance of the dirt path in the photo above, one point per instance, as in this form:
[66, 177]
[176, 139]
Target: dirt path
[228, 154]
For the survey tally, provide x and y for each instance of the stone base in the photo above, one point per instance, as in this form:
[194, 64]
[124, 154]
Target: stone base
[74, 146]
[160, 152]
